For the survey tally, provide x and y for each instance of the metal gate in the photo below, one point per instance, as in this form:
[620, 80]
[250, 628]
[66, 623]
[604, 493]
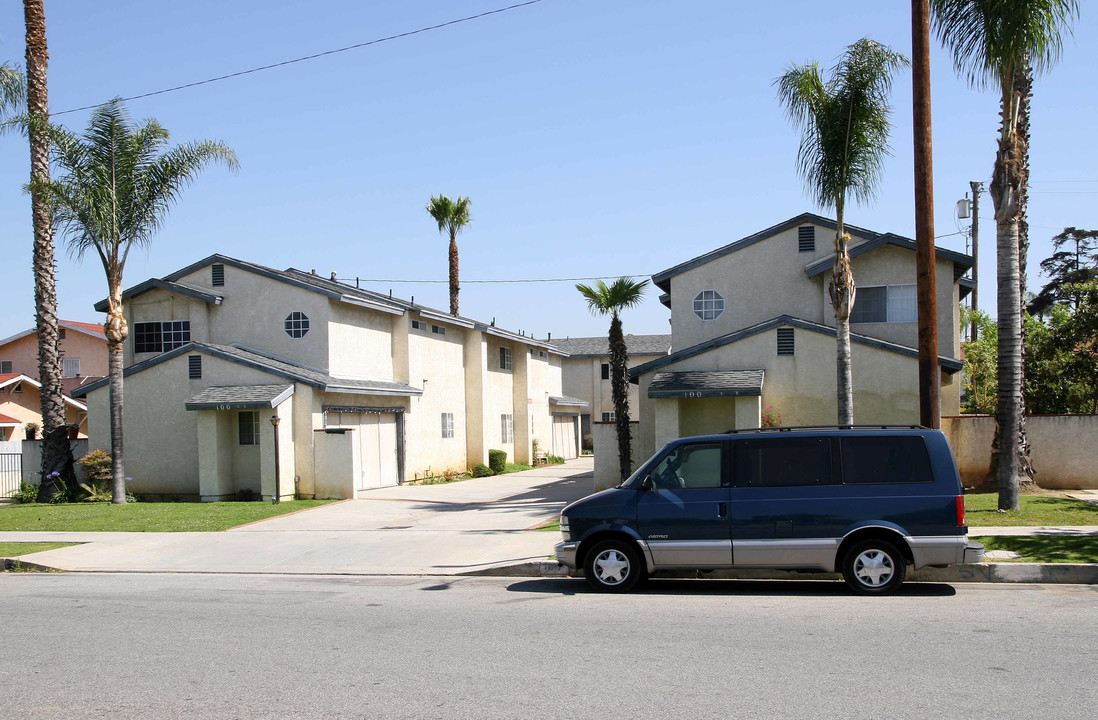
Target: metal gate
[11, 467]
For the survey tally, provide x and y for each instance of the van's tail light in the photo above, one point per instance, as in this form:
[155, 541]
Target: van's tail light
[960, 511]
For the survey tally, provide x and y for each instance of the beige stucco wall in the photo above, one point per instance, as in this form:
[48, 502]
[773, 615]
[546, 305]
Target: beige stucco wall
[545, 381]
[605, 439]
[582, 379]
[1063, 448]
[360, 342]
[436, 364]
[801, 387]
[499, 396]
[758, 282]
[90, 350]
[162, 306]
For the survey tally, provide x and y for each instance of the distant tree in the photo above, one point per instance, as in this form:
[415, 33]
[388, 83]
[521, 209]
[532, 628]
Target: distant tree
[979, 376]
[119, 180]
[452, 216]
[1078, 333]
[1005, 43]
[845, 127]
[1075, 261]
[603, 299]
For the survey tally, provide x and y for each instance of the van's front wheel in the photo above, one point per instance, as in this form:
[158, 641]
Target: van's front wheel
[874, 567]
[613, 566]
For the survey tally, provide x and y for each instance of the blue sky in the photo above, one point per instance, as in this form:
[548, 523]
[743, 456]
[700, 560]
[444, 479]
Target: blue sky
[595, 138]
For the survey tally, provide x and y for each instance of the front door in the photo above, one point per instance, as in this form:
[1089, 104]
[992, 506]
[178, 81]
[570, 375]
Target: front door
[683, 513]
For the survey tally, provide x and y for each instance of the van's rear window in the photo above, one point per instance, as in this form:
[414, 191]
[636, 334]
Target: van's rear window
[880, 460]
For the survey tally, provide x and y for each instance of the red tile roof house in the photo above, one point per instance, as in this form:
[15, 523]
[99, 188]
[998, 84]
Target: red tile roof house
[83, 347]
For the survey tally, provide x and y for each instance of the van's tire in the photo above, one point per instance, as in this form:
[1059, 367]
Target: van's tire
[874, 567]
[613, 566]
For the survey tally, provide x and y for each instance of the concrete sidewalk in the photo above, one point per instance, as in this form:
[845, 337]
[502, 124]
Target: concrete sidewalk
[469, 526]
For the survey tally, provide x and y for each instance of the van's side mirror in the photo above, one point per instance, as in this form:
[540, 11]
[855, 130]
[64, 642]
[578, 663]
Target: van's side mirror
[646, 483]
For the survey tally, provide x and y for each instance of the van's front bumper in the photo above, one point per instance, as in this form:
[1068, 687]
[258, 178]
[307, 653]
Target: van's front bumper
[566, 554]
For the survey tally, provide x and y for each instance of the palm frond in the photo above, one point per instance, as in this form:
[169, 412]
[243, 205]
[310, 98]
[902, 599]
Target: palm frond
[451, 215]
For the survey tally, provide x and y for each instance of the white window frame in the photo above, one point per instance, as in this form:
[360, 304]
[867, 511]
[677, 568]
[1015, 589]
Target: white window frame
[609, 417]
[447, 425]
[505, 362]
[901, 304]
[507, 428]
[438, 330]
[252, 437]
[708, 305]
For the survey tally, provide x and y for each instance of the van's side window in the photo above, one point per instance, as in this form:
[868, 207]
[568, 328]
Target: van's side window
[697, 465]
[868, 460]
[782, 462]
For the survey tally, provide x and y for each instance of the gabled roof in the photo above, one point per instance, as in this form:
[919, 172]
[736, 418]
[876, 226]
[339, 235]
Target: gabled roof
[275, 366]
[872, 240]
[92, 329]
[948, 364]
[13, 378]
[332, 289]
[600, 346]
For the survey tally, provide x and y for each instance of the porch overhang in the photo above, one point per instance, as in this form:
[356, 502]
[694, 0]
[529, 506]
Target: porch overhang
[240, 397]
[707, 384]
[566, 401]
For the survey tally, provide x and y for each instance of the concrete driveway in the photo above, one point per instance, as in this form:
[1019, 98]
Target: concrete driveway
[409, 530]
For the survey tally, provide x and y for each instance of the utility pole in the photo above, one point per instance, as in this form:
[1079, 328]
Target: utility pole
[977, 188]
[925, 276]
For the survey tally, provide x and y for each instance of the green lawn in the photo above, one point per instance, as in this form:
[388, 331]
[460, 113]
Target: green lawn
[15, 549]
[144, 517]
[1045, 548]
[981, 510]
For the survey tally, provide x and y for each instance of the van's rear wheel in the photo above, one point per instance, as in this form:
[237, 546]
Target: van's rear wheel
[874, 567]
[613, 566]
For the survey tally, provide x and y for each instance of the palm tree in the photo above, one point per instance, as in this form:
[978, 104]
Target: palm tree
[56, 456]
[120, 179]
[1006, 43]
[603, 299]
[845, 126]
[452, 216]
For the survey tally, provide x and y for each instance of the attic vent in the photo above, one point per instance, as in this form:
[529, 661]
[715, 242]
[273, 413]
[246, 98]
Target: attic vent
[806, 238]
[785, 341]
[219, 275]
[194, 367]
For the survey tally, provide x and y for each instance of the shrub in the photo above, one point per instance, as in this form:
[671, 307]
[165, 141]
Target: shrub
[96, 466]
[770, 417]
[27, 493]
[482, 470]
[554, 460]
[497, 460]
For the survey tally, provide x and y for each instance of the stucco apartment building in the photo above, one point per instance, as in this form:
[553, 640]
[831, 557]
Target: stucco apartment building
[364, 389]
[84, 360]
[752, 325]
[586, 371]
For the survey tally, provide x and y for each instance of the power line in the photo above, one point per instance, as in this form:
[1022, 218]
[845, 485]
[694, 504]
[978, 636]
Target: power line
[488, 282]
[310, 57]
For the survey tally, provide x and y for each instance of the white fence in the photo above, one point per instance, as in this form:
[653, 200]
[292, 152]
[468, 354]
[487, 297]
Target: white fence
[11, 467]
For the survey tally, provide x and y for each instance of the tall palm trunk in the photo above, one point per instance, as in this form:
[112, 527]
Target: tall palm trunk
[55, 444]
[842, 292]
[619, 393]
[116, 331]
[1005, 184]
[455, 288]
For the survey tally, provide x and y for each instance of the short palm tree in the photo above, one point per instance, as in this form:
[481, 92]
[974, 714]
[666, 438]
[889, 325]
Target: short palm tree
[1004, 43]
[119, 180]
[845, 127]
[603, 299]
[452, 216]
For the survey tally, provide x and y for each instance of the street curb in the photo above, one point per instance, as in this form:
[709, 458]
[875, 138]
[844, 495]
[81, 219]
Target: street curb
[1063, 573]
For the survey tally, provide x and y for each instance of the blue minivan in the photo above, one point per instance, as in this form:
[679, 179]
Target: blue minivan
[862, 501]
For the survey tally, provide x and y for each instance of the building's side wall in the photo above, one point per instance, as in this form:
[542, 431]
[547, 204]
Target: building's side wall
[360, 342]
[162, 306]
[499, 397]
[436, 364]
[91, 351]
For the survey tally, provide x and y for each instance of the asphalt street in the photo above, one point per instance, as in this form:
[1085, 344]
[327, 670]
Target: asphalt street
[101, 645]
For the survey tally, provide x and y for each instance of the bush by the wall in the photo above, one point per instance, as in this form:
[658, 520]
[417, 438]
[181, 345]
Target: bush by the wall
[482, 470]
[27, 493]
[497, 460]
[97, 467]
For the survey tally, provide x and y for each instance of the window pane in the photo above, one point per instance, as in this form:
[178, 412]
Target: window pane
[783, 462]
[147, 337]
[901, 303]
[690, 466]
[868, 460]
[708, 304]
[870, 305]
[248, 427]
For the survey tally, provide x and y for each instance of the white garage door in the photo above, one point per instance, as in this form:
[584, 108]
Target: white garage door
[377, 451]
[564, 437]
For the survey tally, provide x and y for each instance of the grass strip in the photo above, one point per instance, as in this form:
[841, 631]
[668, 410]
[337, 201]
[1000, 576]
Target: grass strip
[143, 517]
[15, 549]
[1045, 548]
[981, 510]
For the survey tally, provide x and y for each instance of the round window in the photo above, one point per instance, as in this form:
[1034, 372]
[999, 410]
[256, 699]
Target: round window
[297, 324]
[708, 304]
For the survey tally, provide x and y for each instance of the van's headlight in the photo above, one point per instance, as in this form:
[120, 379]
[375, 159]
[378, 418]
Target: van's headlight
[565, 529]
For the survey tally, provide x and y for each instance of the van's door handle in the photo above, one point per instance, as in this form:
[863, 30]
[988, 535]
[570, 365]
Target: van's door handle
[722, 510]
